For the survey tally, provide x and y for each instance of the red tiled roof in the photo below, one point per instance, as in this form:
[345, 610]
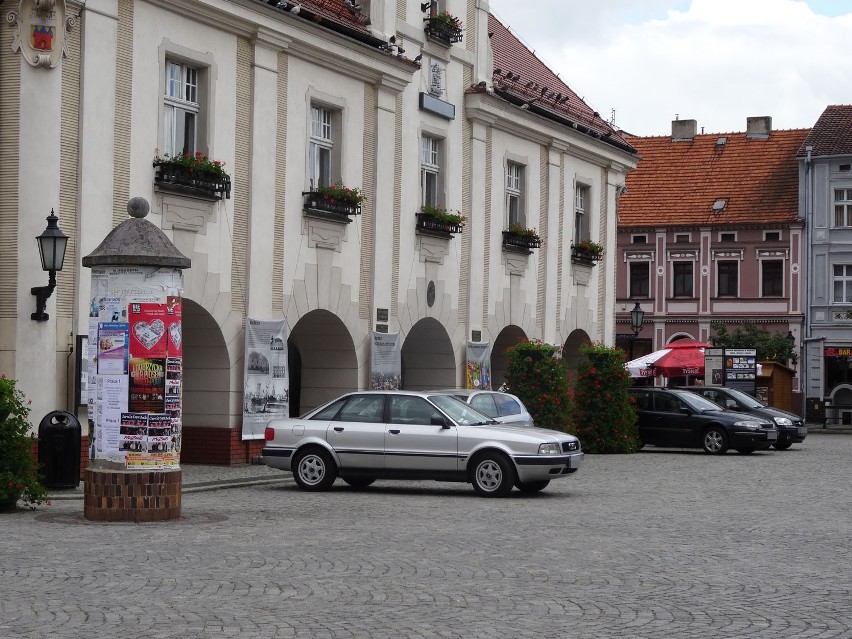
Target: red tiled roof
[832, 133]
[677, 183]
[523, 77]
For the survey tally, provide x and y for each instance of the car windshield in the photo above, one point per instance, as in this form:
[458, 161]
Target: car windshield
[458, 411]
[697, 402]
[744, 398]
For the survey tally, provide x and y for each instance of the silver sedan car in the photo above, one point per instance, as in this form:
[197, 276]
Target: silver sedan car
[365, 436]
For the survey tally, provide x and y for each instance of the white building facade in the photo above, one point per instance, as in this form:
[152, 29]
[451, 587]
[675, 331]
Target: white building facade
[291, 97]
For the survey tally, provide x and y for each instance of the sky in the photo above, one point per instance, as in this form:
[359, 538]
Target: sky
[714, 61]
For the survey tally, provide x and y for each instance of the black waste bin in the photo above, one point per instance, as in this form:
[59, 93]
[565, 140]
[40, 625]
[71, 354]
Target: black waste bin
[59, 450]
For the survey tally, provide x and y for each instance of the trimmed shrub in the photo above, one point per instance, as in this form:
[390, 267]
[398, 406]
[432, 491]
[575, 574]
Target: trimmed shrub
[18, 469]
[603, 414]
[539, 379]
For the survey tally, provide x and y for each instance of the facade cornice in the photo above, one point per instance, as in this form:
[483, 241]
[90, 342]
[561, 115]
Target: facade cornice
[655, 227]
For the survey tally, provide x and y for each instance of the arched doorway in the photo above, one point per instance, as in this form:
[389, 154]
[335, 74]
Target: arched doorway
[428, 361]
[571, 355]
[507, 338]
[206, 373]
[324, 365]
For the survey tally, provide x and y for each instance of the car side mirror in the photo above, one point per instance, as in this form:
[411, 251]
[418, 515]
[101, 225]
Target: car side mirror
[686, 410]
[437, 420]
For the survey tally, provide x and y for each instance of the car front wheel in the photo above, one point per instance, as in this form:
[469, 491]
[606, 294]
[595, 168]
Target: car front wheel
[715, 441]
[493, 475]
[532, 486]
[314, 469]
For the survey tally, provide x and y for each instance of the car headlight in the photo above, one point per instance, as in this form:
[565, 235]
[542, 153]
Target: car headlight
[575, 445]
[783, 421]
[749, 425]
[549, 449]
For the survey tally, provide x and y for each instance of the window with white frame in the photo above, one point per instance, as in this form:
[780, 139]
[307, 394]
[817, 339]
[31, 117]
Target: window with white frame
[321, 149]
[181, 109]
[772, 278]
[581, 209]
[842, 207]
[682, 279]
[727, 283]
[640, 279]
[842, 282]
[430, 170]
[514, 193]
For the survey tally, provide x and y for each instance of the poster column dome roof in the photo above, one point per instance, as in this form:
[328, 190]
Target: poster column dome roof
[137, 242]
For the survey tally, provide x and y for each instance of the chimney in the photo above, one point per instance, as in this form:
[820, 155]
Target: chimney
[684, 130]
[758, 128]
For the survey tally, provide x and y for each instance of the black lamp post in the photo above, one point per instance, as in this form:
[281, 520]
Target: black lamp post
[792, 339]
[51, 248]
[637, 318]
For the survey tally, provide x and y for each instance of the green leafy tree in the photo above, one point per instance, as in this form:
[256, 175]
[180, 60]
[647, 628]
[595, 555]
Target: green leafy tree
[769, 345]
[603, 414]
[18, 469]
[541, 382]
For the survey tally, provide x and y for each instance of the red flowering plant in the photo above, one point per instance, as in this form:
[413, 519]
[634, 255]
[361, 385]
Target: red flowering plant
[537, 376]
[340, 194]
[522, 231]
[602, 410]
[589, 247]
[196, 162]
[18, 469]
[448, 19]
[444, 216]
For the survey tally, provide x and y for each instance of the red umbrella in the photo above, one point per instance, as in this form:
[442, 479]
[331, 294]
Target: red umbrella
[686, 358]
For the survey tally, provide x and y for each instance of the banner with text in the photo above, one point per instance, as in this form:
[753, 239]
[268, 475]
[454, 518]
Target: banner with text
[386, 361]
[478, 368]
[266, 391]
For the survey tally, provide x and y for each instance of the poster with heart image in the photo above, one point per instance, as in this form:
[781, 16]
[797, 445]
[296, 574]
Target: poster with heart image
[173, 322]
[148, 323]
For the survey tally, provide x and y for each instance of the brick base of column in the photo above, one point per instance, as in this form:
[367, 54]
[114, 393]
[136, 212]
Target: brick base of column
[132, 495]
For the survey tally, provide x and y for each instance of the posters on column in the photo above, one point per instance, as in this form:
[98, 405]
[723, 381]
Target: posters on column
[135, 345]
[386, 361]
[478, 367]
[266, 390]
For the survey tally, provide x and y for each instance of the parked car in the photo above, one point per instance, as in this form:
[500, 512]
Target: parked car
[791, 427]
[678, 418]
[499, 406]
[364, 436]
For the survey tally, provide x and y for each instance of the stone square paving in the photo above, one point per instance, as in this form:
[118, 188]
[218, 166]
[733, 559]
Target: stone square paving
[655, 545]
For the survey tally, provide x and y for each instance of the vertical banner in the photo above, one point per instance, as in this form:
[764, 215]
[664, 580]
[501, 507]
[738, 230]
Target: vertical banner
[266, 391]
[478, 367]
[386, 361]
[713, 366]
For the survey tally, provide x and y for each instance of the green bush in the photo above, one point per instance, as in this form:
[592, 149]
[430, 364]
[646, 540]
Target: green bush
[541, 382]
[603, 414]
[18, 469]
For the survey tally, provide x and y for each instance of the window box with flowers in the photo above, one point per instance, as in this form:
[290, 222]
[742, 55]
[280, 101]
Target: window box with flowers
[586, 252]
[433, 220]
[192, 174]
[520, 238]
[444, 27]
[336, 202]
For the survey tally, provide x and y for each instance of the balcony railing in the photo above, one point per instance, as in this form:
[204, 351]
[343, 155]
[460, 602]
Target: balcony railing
[434, 226]
[179, 178]
[580, 255]
[519, 241]
[440, 30]
[322, 206]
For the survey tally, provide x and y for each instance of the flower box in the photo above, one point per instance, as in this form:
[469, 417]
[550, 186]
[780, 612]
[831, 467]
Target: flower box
[524, 241]
[444, 28]
[329, 207]
[588, 253]
[177, 177]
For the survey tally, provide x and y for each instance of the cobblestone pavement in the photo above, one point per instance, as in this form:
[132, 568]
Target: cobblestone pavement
[660, 544]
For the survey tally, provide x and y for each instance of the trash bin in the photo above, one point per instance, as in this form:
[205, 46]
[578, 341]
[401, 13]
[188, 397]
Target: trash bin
[59, 438]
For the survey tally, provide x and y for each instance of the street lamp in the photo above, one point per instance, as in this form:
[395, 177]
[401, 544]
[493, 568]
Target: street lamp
[637, 318]
[51, 249]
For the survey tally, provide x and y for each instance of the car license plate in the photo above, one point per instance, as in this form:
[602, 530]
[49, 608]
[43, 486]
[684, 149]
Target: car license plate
[772, 435]
[803, 430]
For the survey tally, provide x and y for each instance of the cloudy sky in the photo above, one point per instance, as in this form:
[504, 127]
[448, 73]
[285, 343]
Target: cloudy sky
[715, 61]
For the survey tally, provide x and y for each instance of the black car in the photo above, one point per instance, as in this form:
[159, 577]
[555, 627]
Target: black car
[791, 427]
[678, 418]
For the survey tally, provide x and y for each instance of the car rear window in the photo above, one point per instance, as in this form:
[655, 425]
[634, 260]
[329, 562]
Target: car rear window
[484, 403]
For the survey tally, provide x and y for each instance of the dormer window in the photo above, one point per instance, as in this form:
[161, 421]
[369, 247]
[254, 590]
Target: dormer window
[719, 206]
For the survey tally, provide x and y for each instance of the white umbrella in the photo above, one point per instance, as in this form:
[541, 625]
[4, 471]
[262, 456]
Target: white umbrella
[641, 366]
